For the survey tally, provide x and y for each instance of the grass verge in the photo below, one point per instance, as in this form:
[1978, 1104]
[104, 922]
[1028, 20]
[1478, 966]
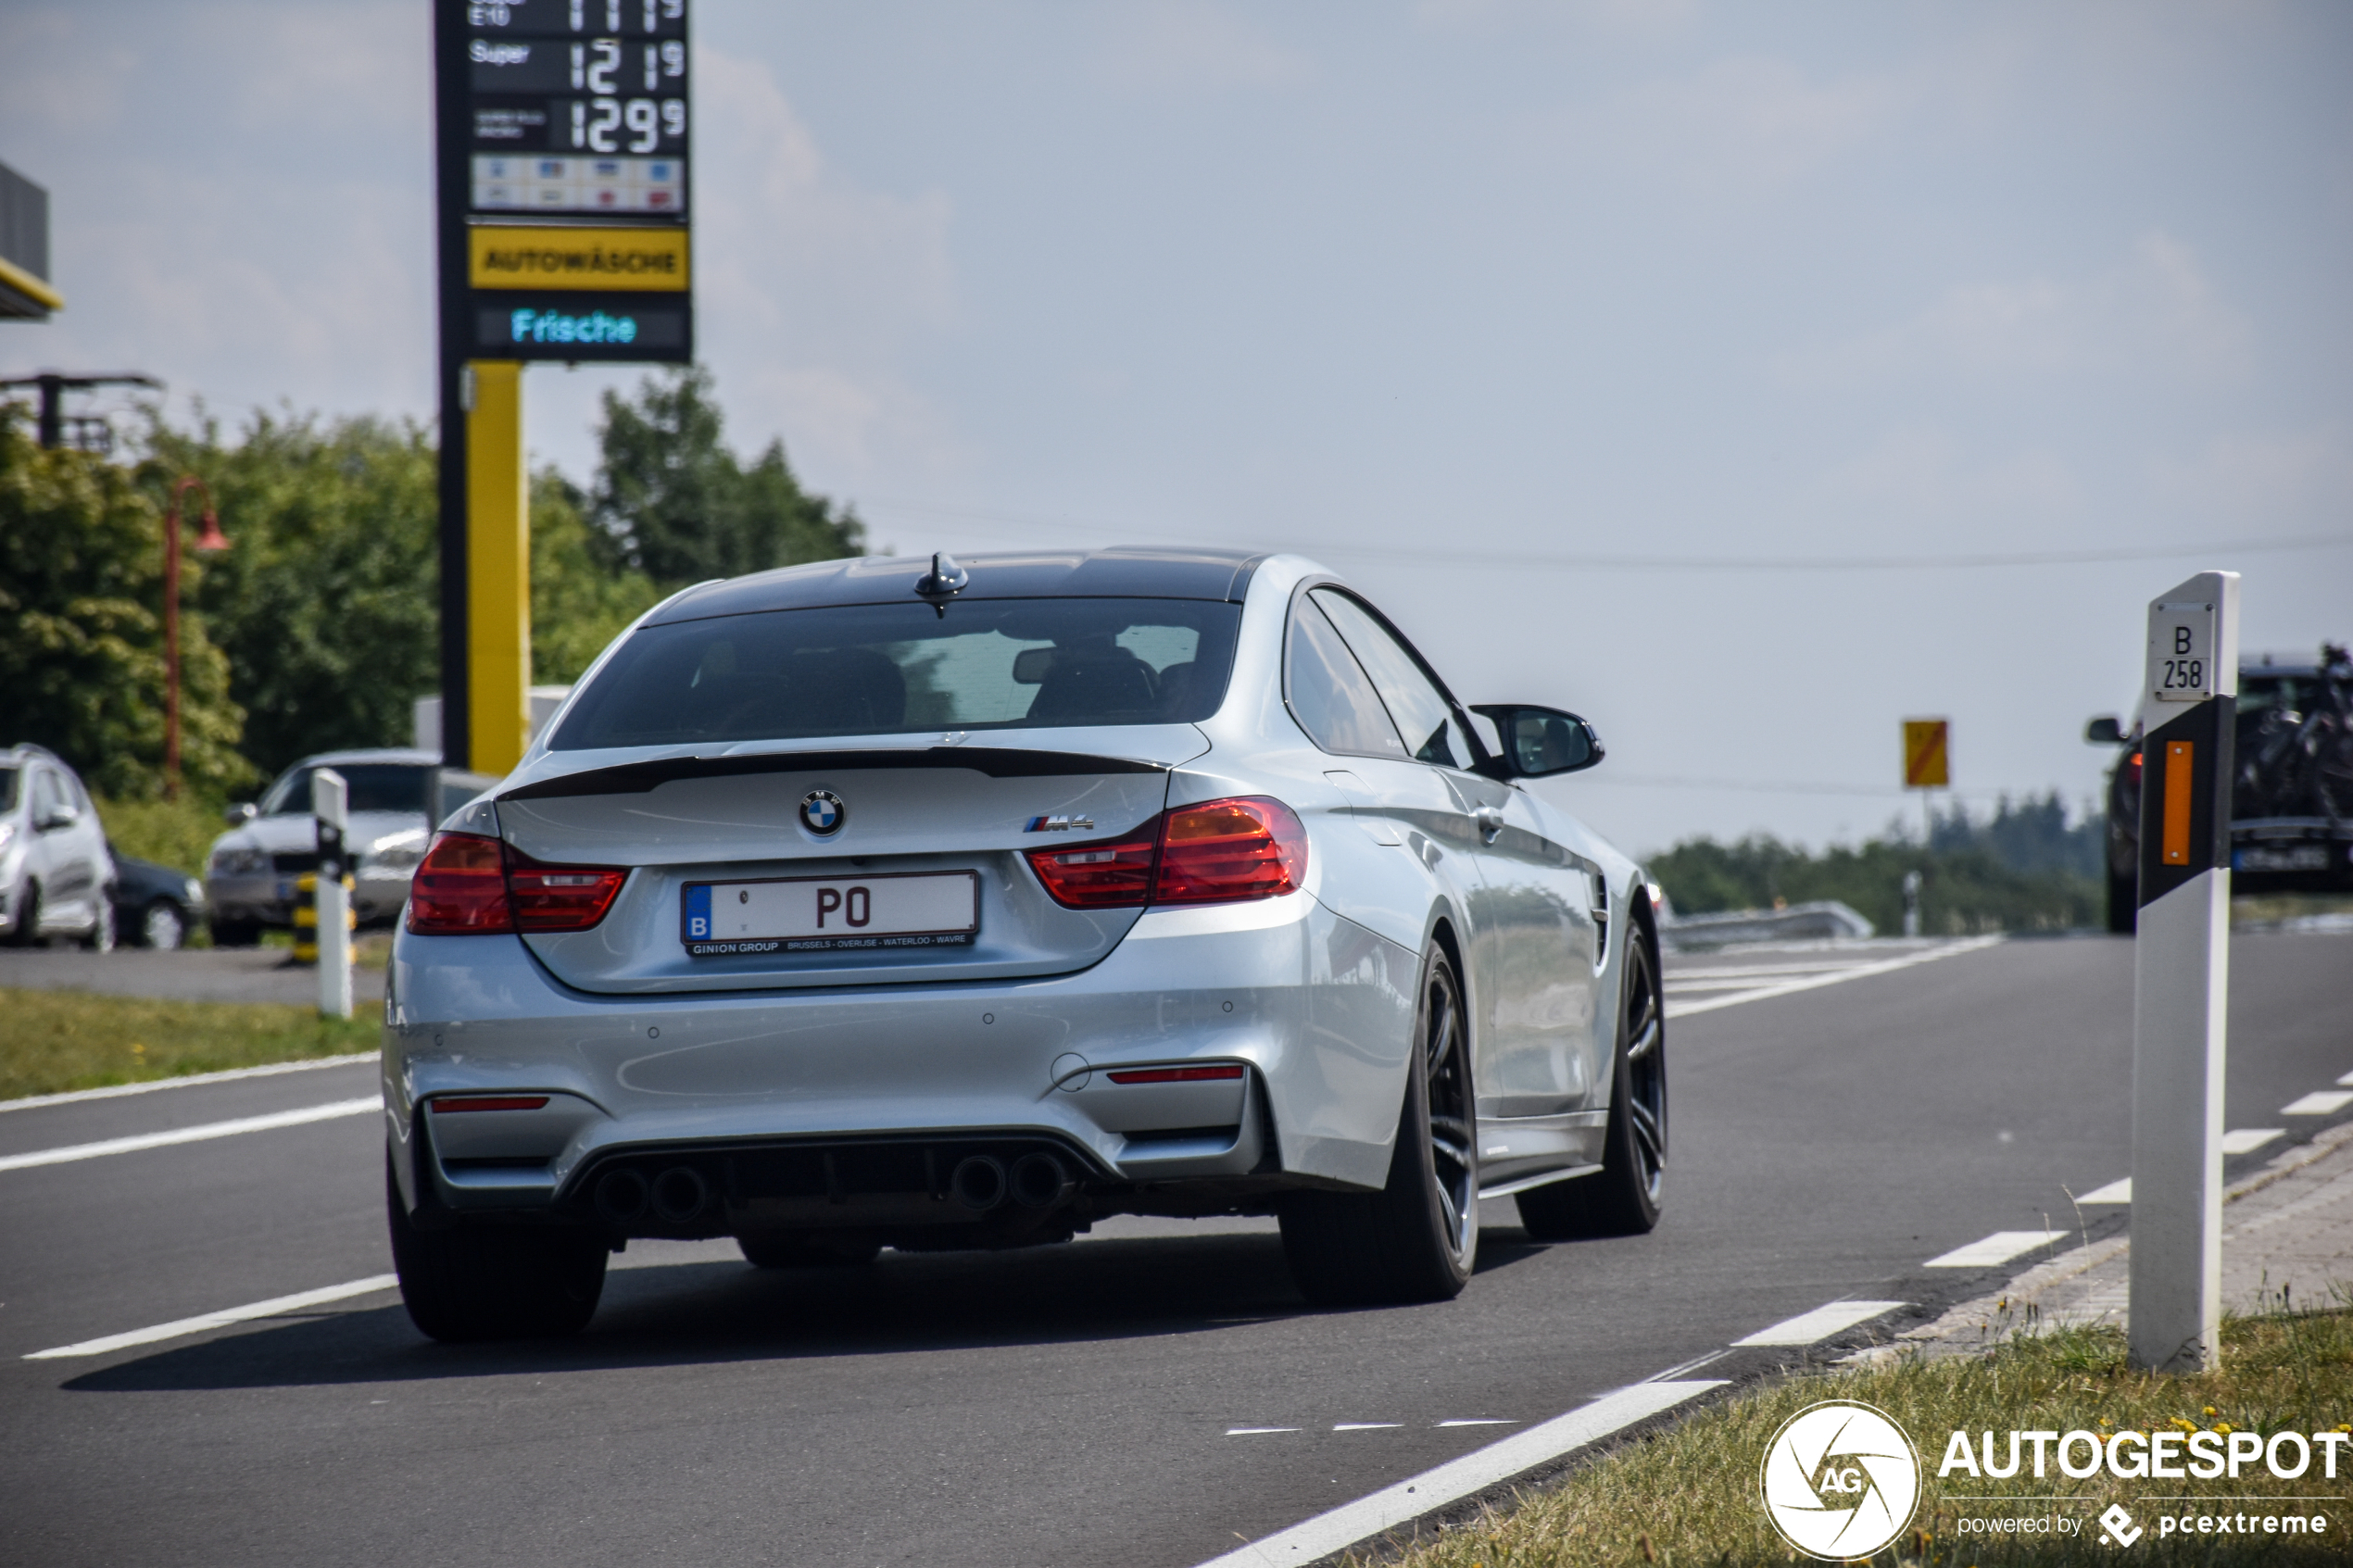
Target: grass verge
[55, 1040]
[1689, 1494]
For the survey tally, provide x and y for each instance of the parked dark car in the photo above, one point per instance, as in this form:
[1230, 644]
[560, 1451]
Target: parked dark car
[2291, 787]
[155, 906]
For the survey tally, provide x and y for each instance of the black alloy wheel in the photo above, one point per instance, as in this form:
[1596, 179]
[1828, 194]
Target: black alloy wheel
[480, 1282]
[27, 927]
[1625, 1195]
[1418, 1238]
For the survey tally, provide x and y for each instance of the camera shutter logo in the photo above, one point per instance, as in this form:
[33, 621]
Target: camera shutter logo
[823, 812]
[1840, 1480]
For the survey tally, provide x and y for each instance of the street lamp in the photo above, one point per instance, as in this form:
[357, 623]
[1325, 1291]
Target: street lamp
[208, 539]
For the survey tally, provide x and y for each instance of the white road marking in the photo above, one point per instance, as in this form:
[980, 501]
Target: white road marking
[1815, 981]
[2118, 1191]
[1255, 1431]
[71, 1152]
[2246, 1140]
[1820, 1323]
[1481, 1421]
[185, 1326]
[189, 1081]
[1366, 1425]
[2346, 1079]
[2321, 1102]
[1999, 1248]
[1344, 1526]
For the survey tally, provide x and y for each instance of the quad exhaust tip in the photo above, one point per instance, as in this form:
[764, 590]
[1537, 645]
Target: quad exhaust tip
[679, 1194]
[978, 1183]
[621, 1195]
[1040, 1180]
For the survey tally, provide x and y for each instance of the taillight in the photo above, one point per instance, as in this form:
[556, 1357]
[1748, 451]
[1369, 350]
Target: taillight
[559, 897]
[489, 1102]
[1247, 846]
[461, 888]
[1101, 876]
[2132, 766]
[469, 886]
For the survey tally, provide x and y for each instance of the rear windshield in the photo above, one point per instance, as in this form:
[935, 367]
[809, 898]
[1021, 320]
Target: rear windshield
[375, 786]
[866, 669]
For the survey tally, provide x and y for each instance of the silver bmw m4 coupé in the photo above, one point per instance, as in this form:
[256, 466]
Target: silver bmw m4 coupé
[883, 903]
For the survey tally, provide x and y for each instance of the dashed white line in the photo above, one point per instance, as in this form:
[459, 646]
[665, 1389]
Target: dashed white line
[188, 1081]
[1344, 1526]
[2346, 1079]
[2118, 1191]
[1256, 1431]
[1999, 1248]
[2246, 1140]
[1366, 1425]
[185, 1326]
[1820, 1323]
[1815, 981]
[2319, 1102]
[199, 1133]
[1481, 1421]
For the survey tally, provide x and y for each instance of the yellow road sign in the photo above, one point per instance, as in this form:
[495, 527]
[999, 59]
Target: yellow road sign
[1927, 760]
[516, 255]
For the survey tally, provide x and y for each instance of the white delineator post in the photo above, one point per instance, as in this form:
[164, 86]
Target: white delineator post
[330, 805]
[2181, 975]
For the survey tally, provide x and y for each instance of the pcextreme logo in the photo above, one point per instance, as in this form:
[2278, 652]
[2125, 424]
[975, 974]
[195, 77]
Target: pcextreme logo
[1840, 1480]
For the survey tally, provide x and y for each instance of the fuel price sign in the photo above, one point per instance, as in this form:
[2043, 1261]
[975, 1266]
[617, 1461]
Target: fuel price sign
[576, 106]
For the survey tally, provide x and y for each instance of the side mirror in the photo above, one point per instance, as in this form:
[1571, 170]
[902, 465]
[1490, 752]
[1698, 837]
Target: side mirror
[241, 813]
[2106, 730]
[60, 817]
[1539, 742]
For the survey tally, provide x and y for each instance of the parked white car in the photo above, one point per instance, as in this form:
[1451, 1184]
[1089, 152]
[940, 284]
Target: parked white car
[55, 872]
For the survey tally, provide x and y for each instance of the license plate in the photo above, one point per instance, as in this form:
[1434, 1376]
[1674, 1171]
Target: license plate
[815, 914]
[2300, 857]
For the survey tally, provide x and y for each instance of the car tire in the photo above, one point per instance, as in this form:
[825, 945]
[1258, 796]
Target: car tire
[793, 1249]
[1624, 1197]
[27, 931]
[236, 933]
[472, 1283]
[2123, 899]
[101, 937]
[162, 926]
[1418, 1238]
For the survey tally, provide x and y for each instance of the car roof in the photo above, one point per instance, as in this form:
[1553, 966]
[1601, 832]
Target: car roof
[1157, 572]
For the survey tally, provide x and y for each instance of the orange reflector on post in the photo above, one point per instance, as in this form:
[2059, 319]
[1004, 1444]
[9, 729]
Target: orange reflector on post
[2178, 788]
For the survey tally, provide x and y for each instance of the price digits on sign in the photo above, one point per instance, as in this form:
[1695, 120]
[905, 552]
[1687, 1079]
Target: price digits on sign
[598, 125]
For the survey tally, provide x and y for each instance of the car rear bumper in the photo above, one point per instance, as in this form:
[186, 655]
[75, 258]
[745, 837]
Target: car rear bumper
[1316, 1012]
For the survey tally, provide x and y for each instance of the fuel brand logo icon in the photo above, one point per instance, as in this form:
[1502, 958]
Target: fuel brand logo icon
[1840, 1480]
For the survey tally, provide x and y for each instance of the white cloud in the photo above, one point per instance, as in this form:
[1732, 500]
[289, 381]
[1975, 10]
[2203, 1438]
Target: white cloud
[2155, 311]
[2264, 481]
[1746, 125]
[1190, 45]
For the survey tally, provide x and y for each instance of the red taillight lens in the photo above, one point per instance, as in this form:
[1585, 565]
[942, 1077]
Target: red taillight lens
[1175, 1074]
[490, 1103]
[1100, 876]
[469, 885]
[1249, 847]
[559, 897]
[461, 888]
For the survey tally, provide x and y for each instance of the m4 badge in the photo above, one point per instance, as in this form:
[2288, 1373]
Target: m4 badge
[1060, 825]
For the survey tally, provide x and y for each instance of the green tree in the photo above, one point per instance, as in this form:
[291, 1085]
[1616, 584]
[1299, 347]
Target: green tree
[81, 627]
[673, 502]
[580, 599]
[325, 602]
[1966, 889]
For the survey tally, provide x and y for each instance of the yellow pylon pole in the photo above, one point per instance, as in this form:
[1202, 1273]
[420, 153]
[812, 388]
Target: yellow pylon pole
[498, 568]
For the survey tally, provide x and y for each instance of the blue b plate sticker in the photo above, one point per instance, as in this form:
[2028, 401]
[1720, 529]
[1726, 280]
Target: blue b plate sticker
[698, 913]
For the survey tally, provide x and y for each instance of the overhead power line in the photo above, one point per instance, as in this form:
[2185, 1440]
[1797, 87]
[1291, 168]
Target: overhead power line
[1582, 562]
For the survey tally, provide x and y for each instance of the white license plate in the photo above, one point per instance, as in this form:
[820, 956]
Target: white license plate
[811, 914]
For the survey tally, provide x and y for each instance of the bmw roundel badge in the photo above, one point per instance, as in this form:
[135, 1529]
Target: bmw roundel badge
[823, 812]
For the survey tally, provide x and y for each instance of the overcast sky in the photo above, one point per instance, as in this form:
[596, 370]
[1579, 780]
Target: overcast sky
[1614, 348]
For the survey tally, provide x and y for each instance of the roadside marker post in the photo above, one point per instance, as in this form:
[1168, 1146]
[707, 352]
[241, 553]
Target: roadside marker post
[2181, 975]
[330, 805]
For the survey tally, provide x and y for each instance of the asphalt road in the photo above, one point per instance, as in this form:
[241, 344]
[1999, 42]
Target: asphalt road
[1071, 1405]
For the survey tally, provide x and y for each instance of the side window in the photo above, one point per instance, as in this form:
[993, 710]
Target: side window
[1328, 692]
[48, 795]
[1421, 710]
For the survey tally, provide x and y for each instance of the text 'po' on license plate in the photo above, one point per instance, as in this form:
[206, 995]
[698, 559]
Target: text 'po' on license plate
[812, 914]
